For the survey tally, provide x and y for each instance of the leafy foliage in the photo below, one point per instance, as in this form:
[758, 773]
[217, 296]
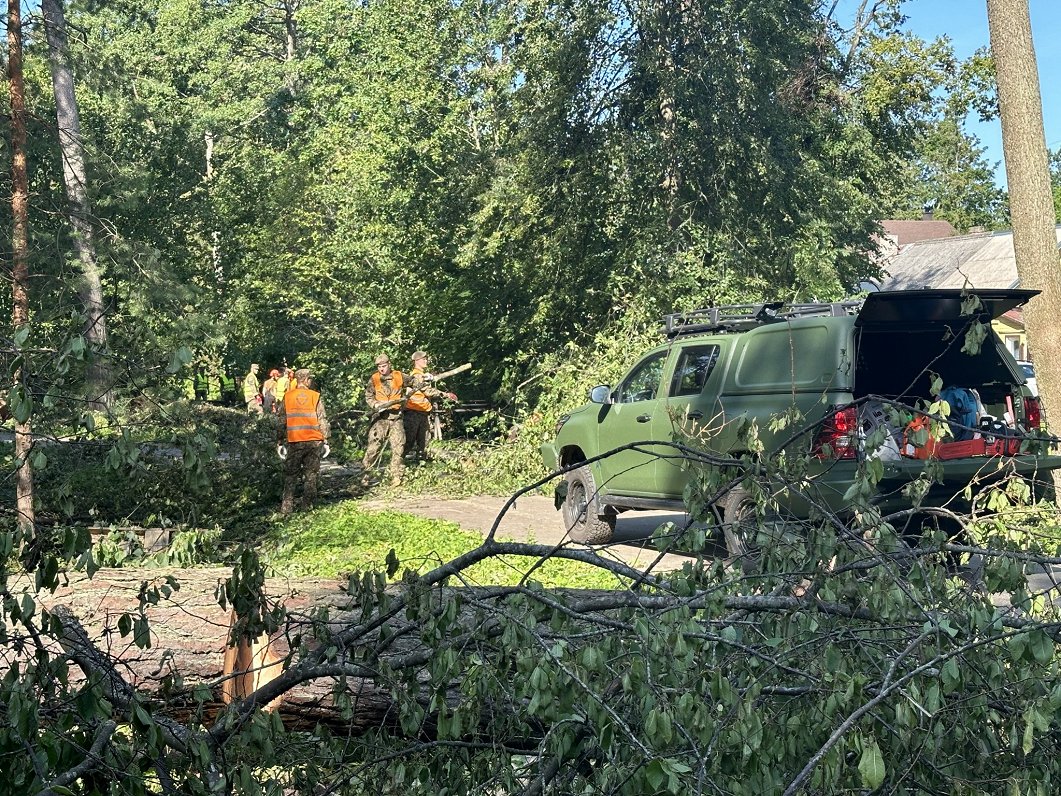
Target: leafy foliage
[527, 171]
[844, 659]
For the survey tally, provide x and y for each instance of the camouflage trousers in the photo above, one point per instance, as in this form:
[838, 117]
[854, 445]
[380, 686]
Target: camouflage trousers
[388, 427]
[417, 433]
[303, 464]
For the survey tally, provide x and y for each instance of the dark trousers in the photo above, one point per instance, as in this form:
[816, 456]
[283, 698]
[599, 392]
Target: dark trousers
[303, 464]
[417, 431]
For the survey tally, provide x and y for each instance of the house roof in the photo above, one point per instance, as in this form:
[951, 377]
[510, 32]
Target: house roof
[1014, 319]
[904, 231]
[983, 260]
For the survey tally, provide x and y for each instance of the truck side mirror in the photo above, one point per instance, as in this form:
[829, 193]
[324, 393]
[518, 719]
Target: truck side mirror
[601, 394]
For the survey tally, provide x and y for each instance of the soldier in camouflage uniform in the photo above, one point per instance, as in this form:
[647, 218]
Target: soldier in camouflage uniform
[385, 393]
[418, 407]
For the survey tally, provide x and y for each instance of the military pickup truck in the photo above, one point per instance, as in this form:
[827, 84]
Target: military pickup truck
[827, 362]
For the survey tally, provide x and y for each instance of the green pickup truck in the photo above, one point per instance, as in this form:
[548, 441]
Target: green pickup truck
[835, 365]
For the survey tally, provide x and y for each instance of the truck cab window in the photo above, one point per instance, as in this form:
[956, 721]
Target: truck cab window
[695, 364]
[642, 383]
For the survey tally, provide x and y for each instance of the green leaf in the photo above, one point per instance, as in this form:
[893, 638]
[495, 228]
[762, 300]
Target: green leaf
[1041, 647]
[22, 335]
[1028, 741]
[871, 765]
[655, 774]
[21, 403]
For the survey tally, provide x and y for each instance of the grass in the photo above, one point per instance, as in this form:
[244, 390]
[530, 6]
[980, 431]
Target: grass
[337, 540]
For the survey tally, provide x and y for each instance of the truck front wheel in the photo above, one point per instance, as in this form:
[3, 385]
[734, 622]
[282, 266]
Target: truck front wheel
[585, 519]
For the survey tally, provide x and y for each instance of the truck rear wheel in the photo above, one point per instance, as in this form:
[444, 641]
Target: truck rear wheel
[740, 524]
[585, 519]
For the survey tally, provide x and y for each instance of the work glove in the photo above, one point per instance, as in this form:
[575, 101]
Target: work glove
[326, 451]
[281, 451]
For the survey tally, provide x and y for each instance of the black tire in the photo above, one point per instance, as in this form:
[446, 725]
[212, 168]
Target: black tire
[741, 527]
[584, 517]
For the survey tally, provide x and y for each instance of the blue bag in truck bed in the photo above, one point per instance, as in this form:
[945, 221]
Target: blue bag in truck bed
[964, 411]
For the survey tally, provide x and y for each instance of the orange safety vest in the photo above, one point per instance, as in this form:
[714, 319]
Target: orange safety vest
[300, 406]
[418, 402]
[381, 394]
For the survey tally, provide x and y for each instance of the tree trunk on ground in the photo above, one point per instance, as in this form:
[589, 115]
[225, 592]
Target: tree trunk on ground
[99, 378]
[190, 635]
[1031, 198]
[19, 262]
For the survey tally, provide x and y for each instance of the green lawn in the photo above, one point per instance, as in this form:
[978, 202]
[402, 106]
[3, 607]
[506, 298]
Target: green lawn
[340, 539]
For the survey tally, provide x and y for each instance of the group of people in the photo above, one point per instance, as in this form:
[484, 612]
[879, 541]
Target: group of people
[401, 406]
[268, 397]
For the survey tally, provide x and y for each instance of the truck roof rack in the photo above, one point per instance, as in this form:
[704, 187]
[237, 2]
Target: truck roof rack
[740, 317]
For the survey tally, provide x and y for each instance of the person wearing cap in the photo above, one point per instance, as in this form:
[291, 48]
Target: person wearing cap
[303, 440]
[418, 407]
[385, 394]
[268, 392]
[251, 395]
[283, 381]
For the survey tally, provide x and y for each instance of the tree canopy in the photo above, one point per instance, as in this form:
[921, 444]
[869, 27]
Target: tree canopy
[321, 181]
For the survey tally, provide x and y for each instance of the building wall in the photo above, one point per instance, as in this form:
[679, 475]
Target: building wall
[1013, 336]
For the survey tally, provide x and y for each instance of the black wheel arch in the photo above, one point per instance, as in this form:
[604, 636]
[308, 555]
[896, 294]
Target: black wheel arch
[571, 454]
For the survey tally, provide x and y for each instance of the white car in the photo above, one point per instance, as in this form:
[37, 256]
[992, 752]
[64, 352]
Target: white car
[1029, 375]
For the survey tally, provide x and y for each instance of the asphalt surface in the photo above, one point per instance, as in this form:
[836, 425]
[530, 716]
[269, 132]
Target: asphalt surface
[534, 518]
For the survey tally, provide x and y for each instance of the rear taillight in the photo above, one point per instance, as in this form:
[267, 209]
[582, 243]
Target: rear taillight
[838, 437]
[1033, 413]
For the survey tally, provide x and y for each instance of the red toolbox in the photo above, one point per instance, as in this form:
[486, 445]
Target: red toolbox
[960, 450]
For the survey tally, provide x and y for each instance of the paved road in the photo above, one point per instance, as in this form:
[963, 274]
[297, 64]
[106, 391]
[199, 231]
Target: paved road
[534, 518]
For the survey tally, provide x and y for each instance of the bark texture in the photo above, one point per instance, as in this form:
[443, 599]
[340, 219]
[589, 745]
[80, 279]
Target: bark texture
[1031, 199]
[75, 179]
[190, 646]
[19, 257]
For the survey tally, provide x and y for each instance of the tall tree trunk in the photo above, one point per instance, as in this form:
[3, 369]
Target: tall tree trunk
[1031, 199]
[19, 263]
[215, 234]
[290, 30]
[90, 290]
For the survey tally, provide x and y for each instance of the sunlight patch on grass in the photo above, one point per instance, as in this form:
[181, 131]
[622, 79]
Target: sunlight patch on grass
[337, 540]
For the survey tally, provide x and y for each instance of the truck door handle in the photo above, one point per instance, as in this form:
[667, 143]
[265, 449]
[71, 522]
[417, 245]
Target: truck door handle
[696, 415]
[643, 418]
